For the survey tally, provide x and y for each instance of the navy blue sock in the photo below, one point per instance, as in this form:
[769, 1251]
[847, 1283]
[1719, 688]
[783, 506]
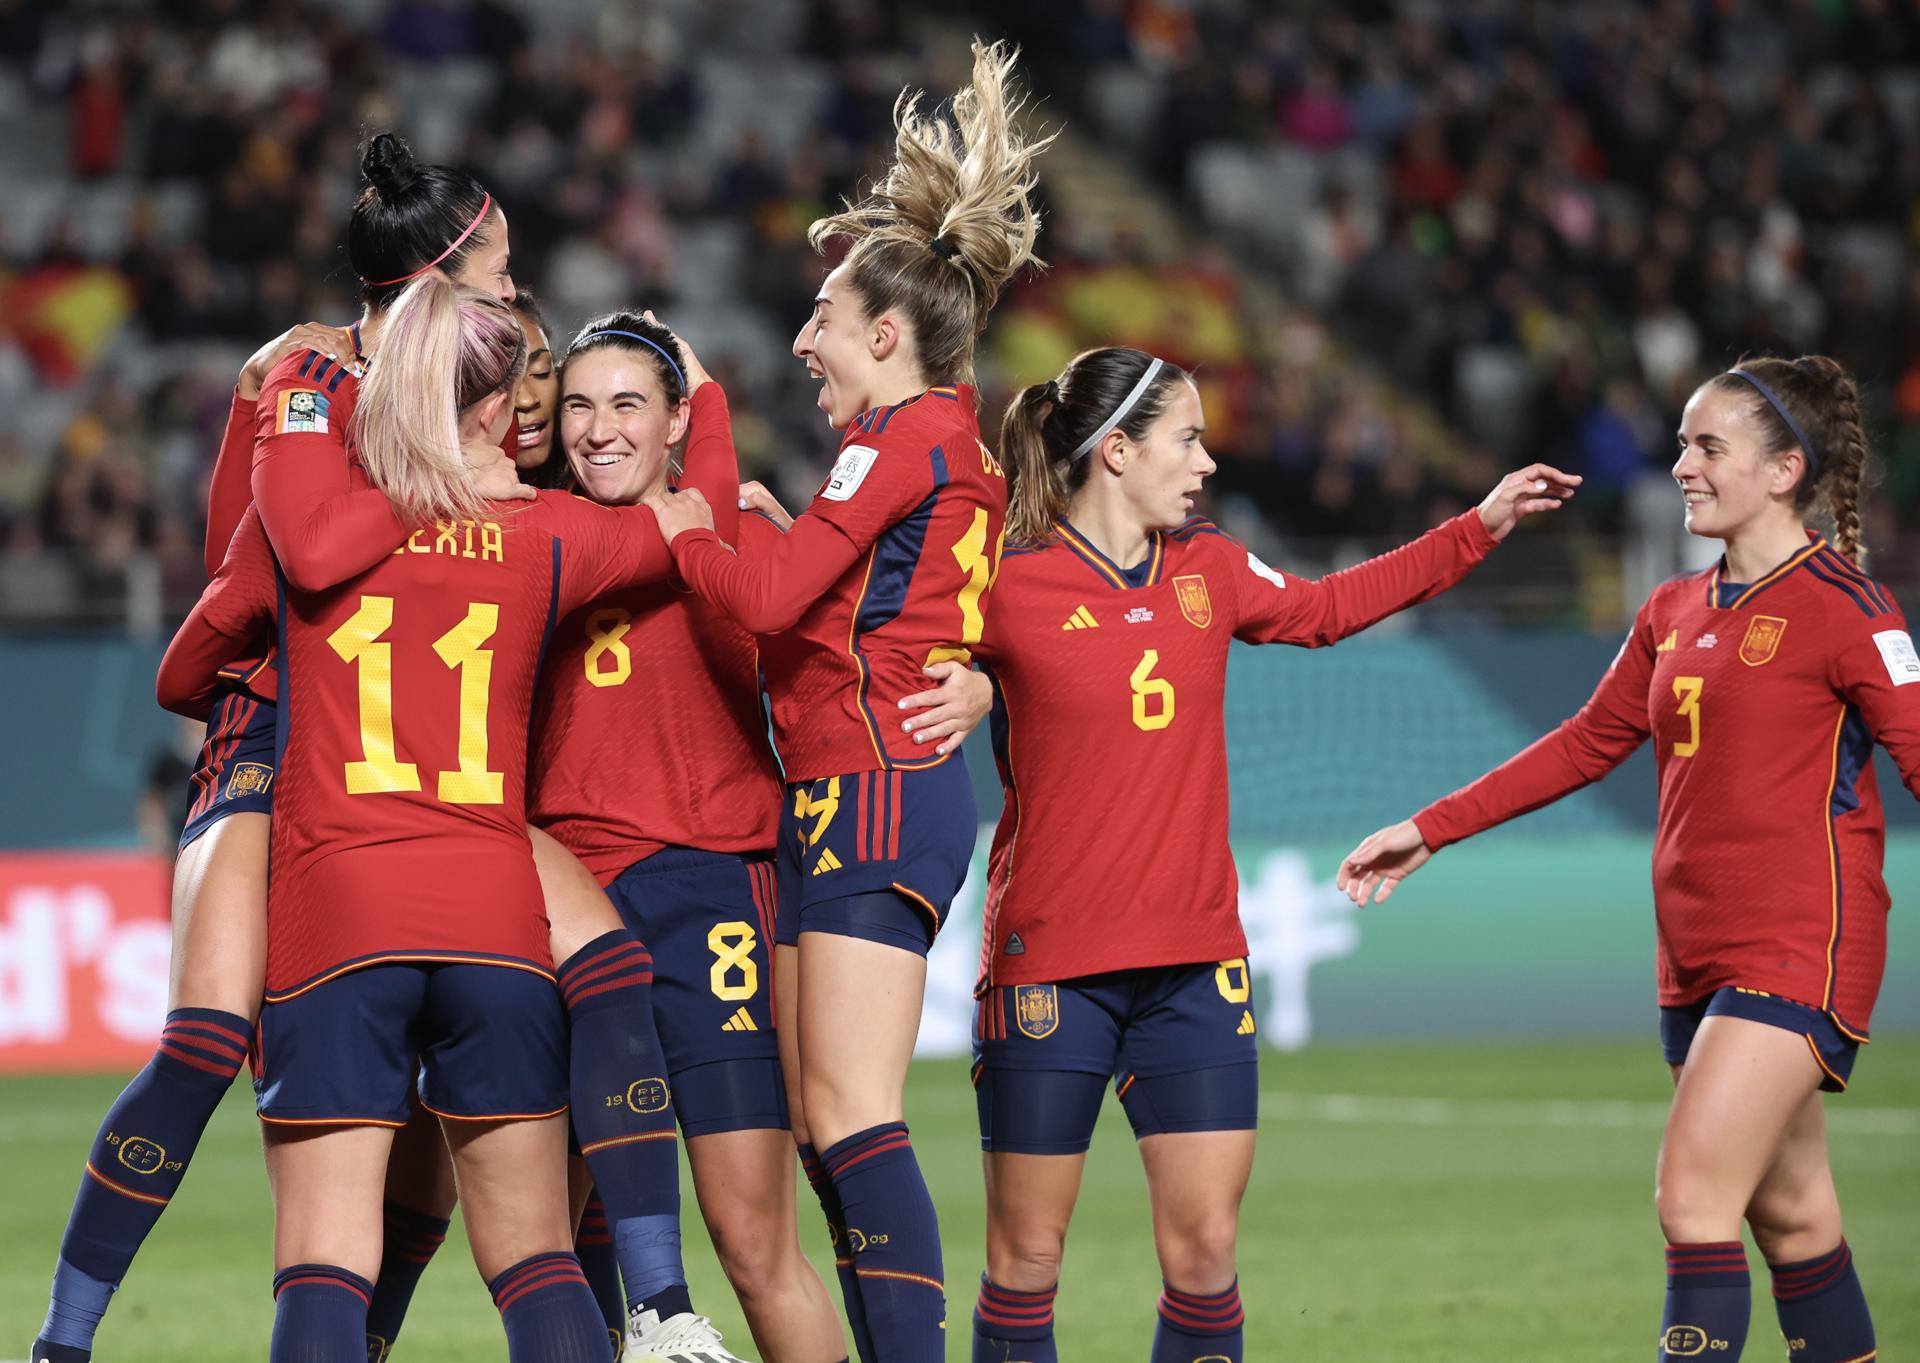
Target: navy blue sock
[136, 1164]
[842, 1258]
[1196, 1325]
[407, 1246]
[894, 1237]
[593, 1247]
[319, 1315]
[623, 1113]
[549, 1312]
[1010, 1325]
[1709, 1298]
[1823, 1312]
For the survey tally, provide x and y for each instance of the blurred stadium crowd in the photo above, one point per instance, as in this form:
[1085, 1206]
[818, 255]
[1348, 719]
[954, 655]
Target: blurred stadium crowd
[1404, 243]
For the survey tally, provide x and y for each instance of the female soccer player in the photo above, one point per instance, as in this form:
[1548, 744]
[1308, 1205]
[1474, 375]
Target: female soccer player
[404, 222]
[1113, 946]
[406, 912]
[533, 441]
[886, 573]
[1763, 683]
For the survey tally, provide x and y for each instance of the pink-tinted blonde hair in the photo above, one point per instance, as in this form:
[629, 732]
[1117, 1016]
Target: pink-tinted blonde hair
[443, 348]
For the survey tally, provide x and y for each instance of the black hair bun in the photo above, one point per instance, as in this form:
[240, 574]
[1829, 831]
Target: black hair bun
[388, 165]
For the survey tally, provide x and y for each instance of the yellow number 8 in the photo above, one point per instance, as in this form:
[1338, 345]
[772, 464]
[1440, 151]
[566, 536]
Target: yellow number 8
[607, 630]
[732, 946]
[1231, 978]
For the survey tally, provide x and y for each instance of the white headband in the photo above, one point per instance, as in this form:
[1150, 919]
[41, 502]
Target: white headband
[1119, 413]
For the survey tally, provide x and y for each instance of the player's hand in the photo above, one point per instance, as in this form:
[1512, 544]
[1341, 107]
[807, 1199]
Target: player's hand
[499, 481]
[695, 371]
[755, 497]
[1537, 487]
[333, 342]
[1381, 862]
[953, 709]
[678, 512]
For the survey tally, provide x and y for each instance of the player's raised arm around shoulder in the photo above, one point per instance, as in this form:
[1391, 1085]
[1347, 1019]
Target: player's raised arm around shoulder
[603, 548]
[325, 525]
[711, 465]
[1277, 608]
[233, 618]
[869, 491]
[1875, 666]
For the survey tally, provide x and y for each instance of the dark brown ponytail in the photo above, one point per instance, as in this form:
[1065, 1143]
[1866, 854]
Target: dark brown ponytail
[1046, 423]
[1825, 401]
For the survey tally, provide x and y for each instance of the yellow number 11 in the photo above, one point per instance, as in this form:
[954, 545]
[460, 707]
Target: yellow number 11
[380, 770]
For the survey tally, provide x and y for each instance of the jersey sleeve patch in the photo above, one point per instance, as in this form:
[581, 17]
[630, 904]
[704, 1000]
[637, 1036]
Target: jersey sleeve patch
[301, 410]
[849, 471]
[1259, 569]
[1897, 652]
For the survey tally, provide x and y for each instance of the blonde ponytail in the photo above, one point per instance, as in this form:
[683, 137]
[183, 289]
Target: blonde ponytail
[952, 221]
[443, 347]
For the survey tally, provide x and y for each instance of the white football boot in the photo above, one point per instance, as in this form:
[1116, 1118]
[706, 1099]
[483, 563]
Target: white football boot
[685, 1338]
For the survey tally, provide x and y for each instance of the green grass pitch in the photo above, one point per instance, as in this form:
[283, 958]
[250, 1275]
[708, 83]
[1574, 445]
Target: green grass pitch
[1492, 1220]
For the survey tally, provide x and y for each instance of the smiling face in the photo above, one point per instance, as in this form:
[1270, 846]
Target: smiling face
[535, 401]
[616, 424]
[1728, 482]
[489, 264]
[836, 345]
[1162, 473]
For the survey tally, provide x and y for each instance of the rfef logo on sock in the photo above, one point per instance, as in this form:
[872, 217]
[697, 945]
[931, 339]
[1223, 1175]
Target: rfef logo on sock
[141, 1155]
[646, 1095]
[1684, 1341]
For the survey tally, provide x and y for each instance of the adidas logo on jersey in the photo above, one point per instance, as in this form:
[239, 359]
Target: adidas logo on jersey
[1670, 643]
[828, 862]
[1246, 1024]
[1082, 618]
[739, 1022]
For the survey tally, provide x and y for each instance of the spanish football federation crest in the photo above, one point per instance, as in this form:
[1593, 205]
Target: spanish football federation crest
[249, 778]
[1037, 1009]
[1763, 640]
[1191, 592]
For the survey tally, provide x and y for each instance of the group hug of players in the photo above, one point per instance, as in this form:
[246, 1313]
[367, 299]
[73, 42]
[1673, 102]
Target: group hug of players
[539, 878]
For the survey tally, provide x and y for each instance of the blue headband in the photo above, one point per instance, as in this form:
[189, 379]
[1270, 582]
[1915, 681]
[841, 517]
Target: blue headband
[1813, 455]
[636, 336]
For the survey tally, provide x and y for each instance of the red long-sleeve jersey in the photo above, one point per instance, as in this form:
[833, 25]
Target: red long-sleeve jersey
[1763, 702]
[1108, 682]
[650, 732]
[406, 702]
[888, 570]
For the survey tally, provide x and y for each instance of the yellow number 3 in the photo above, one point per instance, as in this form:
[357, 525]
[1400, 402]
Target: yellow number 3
[1147, 687]
[1687, 690]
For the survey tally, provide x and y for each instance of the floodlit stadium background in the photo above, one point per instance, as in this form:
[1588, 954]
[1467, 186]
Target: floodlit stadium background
[1405, 245]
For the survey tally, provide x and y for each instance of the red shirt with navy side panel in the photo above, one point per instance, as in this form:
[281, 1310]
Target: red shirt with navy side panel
[1109, 727]
[888, 570]
[399, 825]
[1763, 702]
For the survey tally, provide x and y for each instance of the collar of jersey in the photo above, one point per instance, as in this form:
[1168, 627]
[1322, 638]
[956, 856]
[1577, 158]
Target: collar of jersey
[1143, 574]
[874, 420]
[1734, 595]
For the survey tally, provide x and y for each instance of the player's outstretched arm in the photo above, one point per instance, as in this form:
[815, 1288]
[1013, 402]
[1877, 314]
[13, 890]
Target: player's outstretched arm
[768, 592]
[1382, 861]
[1278, 608]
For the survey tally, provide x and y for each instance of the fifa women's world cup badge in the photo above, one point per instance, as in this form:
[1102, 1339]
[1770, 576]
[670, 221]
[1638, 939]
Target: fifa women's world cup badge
[1763, 640]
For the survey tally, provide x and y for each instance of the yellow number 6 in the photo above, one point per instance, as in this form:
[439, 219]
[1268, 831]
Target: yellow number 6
[1147, 687]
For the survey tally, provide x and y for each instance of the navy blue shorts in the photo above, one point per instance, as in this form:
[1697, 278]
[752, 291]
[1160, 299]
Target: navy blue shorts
[876, 854]
[707, 917]
[234, 773]
[1178, 1042]
[1832, 1048]
[487, 1043]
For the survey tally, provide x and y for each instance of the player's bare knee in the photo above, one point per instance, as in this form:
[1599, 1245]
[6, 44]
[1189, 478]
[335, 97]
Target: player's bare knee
[1025, 1260]
[1199, 1257]
[1690, 1213]
[751, 1252]
[1792, 1226]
